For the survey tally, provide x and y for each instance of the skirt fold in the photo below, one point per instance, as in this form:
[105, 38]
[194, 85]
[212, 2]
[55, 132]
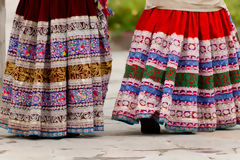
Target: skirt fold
[182, 70]
[57, 70]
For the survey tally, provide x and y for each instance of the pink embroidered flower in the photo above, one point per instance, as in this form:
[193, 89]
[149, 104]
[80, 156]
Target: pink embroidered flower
[26, 53]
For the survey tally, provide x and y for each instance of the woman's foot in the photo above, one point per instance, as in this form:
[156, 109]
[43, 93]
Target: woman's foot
[149, 126]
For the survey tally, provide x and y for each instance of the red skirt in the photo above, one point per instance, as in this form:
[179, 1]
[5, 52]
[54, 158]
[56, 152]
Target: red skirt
[46, 10]
[182, 70]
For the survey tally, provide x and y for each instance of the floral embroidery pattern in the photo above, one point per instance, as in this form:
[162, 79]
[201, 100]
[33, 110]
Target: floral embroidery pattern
[56, 76]
[186, 83]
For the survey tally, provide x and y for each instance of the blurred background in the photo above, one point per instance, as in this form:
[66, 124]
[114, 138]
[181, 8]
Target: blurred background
[127, 13]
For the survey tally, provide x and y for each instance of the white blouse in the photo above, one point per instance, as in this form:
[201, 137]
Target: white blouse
[187, 5]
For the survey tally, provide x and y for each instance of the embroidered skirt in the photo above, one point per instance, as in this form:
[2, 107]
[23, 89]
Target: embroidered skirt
[182, 70]
[57, 70]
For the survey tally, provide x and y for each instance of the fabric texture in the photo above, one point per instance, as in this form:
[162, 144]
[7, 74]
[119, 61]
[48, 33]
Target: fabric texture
[187, 5]
[182, 70]
[57, 70]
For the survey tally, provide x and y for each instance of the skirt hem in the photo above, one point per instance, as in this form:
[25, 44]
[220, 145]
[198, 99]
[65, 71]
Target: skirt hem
[50, 134]
[164, 121]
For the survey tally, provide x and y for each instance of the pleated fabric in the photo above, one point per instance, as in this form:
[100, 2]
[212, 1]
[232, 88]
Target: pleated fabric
[182, 70]
[57, 70]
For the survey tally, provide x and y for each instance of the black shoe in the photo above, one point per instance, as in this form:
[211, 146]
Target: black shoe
[149, 126]
[72, 135]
